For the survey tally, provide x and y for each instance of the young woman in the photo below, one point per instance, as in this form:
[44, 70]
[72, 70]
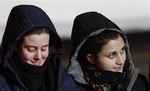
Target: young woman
[100, 59]
[30, 53]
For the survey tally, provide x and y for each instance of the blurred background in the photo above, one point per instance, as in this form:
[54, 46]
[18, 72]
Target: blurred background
[132, 16]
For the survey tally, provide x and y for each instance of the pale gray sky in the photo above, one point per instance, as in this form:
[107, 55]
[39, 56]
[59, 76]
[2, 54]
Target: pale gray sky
[126, 14]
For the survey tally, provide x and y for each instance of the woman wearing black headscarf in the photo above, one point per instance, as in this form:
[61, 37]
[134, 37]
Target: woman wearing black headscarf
[30, 53]
[100, 58]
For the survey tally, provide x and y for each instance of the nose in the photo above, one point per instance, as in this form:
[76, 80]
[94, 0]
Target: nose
[38, 55]
[120, 60]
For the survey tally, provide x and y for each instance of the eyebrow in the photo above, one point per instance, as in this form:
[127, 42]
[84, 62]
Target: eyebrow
[35, 46]
[124, 47]
[45, 45]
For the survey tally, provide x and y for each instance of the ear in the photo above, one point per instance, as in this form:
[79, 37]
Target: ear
[90, 58]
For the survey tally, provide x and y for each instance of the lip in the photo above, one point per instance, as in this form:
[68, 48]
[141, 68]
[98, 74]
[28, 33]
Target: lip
[35, 62]
[119, 69]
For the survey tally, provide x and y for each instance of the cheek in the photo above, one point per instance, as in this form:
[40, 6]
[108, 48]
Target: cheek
[104, 63]
[124, 57]
[26, 55]
[45, 54]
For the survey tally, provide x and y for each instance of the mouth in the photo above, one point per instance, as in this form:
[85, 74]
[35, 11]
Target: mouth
[36, 63]
[119, 69]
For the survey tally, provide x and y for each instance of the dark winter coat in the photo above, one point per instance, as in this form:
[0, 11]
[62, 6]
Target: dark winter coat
[91, 24]
[22, 19]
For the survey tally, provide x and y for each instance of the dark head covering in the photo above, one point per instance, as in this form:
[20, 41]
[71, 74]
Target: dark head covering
[87, 23]
[22, 19]
[91, 24]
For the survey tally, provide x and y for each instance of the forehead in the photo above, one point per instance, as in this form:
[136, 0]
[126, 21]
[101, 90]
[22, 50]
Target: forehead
[113, 45]
[36, 39]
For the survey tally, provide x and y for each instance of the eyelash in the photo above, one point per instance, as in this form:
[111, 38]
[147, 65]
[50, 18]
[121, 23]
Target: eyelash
[122, 51]
[33, 49]
[112, 55]
[44, 49]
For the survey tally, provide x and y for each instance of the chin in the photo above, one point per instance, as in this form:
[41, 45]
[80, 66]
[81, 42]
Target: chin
[120, 71]
[37, 64]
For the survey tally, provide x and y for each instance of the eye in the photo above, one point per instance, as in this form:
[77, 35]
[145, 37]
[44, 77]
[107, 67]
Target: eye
[123, 50]
[112, 55]
[31, 49]
[44, 48]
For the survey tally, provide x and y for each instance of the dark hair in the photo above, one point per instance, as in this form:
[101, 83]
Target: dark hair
[93, 45]
[37, 30]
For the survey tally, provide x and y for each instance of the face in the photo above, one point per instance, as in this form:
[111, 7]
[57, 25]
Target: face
[113, 56]
[35, 49]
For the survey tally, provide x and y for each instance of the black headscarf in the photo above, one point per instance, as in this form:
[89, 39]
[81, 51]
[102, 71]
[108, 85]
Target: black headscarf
[24, 18]
[35, 78]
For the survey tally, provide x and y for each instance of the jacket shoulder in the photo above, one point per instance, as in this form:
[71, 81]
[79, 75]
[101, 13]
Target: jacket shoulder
[141, 84]
[84, 87]
[66, 81]
[3, 84]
